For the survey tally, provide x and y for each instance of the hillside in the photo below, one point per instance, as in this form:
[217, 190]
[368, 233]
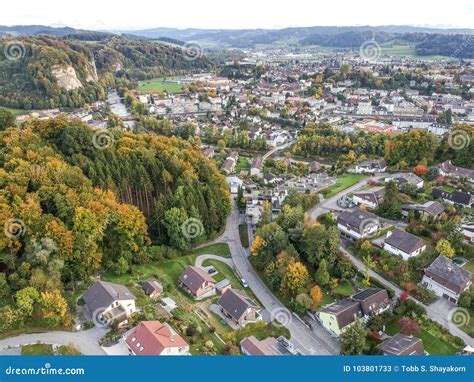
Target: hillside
[46, 72]
[429, 41]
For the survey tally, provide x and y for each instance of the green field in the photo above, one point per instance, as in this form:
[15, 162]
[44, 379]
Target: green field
[159, 85]
[342, 183]
[15, 112]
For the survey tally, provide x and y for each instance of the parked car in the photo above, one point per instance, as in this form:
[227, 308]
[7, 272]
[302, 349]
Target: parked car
[244, 283]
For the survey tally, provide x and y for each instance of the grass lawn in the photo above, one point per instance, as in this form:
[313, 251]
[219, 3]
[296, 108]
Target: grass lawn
[37, 349]
[67, 350]
[342, 183]
[344, 289]
[432, 344]
[219, 249]
[159, 85]
[242, 164]
[244, 235]
[469, 266]
[15, 112]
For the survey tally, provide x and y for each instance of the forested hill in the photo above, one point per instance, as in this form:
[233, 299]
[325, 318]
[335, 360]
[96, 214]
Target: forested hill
[101, 196]
[39, 72]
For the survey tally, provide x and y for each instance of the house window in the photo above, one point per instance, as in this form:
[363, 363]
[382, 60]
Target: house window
[138, 344]
[142, 348]
[133, 339]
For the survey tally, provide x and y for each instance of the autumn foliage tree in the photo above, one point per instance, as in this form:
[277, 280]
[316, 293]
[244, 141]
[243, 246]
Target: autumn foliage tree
[409, 326]
[295, 277]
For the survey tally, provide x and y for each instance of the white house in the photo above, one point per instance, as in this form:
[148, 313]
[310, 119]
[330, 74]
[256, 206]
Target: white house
[370, 198]
[371, 166]
[403, 244]
[358, 224]
[446, 279]
[109, 303]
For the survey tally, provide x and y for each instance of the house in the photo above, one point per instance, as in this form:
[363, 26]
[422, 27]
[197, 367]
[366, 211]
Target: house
[271, 179]
[371, 166]
[256, 168]
[268, 346]
[446, 279]
[432, 209]
[338, 316]
[358, 224]
[403, 244]
[314, 167]
[406, 178]
[109, 303]
[229, 164]
[448, 169]
[197, 282]
[371, 198]
[155, 338]
[401, 344]
[237, 307]
[234, 183]
[209, 152]
[152, 288]
[457, 197]
[468, 231]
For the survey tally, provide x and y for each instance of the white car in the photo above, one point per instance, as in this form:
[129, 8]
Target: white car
[244, 283]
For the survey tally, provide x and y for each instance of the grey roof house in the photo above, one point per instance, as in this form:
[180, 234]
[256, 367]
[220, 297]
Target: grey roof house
[446, 279]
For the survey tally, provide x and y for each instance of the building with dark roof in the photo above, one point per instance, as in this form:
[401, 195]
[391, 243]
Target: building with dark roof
[448, 169]
[358, 224]
[401, 344]
[371, 198]
[237, 307]
[109, 303]
[456, 197]
[432, 209]
[403, 244]
[371, 166]
[446, 279]
[197, 282]
[338, 316]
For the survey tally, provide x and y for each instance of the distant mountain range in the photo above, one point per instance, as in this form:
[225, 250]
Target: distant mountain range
[457, 43]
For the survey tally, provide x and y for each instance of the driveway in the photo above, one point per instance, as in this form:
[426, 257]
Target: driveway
[200, 259]
[86, 342]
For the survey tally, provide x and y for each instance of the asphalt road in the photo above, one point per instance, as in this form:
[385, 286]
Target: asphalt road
[308, 341]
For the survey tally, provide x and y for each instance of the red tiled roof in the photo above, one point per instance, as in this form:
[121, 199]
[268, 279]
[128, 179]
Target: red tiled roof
[154, 337]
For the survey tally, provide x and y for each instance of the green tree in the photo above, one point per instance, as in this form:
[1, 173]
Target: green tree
[444, 248]
[7, 119]
[354, 339]
[322, 275]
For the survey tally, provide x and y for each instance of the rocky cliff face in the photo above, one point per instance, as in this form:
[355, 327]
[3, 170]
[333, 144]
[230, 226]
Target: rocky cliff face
[66, 77]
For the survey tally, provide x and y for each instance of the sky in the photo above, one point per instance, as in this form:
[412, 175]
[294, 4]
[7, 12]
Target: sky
[237, 14]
